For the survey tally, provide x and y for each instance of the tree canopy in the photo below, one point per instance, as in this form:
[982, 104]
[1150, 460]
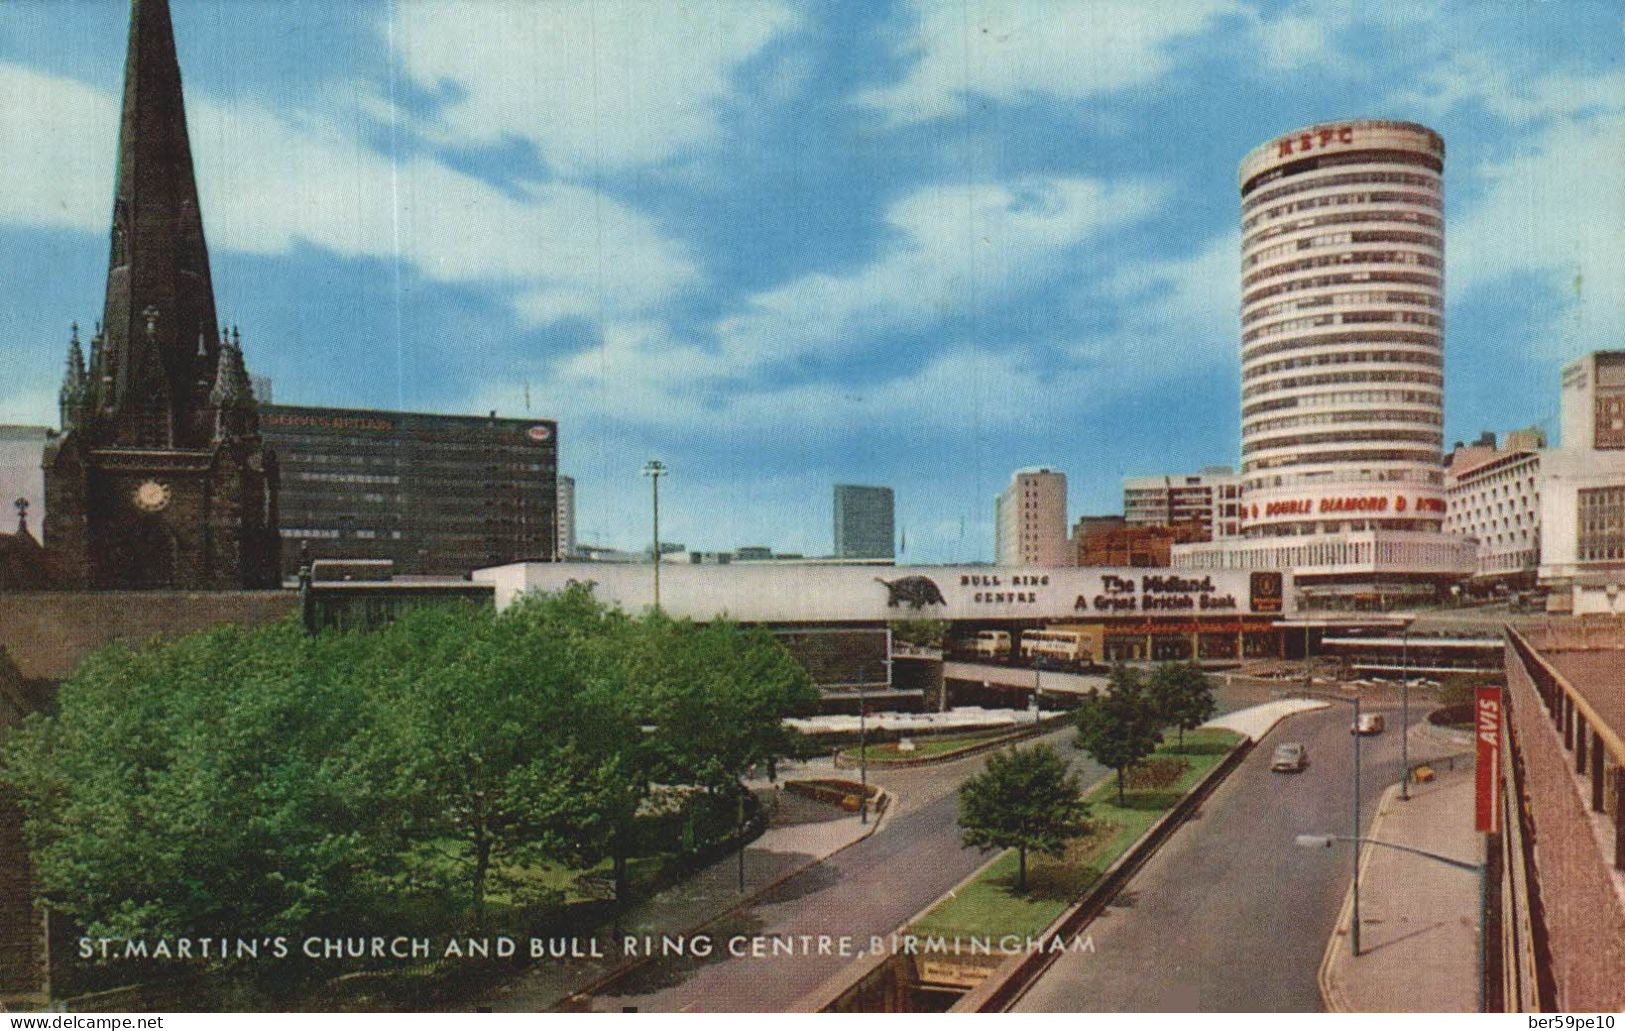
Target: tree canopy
[1025, 799]
[1183, 695]
[300, 784]
[1121, 726]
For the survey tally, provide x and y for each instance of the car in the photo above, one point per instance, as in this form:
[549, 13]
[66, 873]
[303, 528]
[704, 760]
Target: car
[1368, 723]
[1290, 757]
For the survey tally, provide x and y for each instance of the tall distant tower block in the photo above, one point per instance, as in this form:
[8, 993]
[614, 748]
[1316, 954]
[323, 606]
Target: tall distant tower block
[1029, 520]
[865, 522]
[159, 478]
[1342, 330]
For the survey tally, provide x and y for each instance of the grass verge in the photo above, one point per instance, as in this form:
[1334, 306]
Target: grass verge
[990, 906]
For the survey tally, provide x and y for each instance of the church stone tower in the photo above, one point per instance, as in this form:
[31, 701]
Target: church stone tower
[159, 478]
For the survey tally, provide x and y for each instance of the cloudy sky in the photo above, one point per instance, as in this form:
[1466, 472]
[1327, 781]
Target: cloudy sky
[783, 246]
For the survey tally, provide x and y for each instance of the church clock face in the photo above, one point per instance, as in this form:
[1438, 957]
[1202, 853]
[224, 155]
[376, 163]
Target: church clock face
[152, 496]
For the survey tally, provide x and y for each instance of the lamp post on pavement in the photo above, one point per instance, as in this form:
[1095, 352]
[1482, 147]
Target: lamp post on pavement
[1038, 707]
[655, 469]
[1405, 713]
[1327, 840]
[863, 750]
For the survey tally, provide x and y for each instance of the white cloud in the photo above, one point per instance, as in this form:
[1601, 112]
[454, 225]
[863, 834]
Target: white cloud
[1180, 315]
[1007, 51]
[49, 176]
[1518, 99]
[954, 248]
[272, 181]
[1554, 209]
[592, 82]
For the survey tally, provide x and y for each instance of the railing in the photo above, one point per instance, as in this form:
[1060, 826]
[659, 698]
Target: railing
[1598, 749]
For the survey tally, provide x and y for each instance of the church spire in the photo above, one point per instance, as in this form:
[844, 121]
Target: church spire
[160, 300]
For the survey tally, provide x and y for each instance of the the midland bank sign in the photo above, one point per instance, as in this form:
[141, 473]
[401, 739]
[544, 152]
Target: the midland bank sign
[770, 592]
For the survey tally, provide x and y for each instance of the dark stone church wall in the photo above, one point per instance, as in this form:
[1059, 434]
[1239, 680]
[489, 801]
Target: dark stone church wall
[48, 633]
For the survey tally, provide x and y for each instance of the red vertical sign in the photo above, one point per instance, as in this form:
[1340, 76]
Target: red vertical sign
[1487, 733]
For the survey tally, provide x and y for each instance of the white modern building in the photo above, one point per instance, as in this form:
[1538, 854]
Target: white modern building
[1493, 496]
[1342, 366]
[1210, 499]
[1029, 520]
[1582, 500]
[22, 478]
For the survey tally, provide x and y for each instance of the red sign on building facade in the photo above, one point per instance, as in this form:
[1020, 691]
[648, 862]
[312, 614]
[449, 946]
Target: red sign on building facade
[1487, 724]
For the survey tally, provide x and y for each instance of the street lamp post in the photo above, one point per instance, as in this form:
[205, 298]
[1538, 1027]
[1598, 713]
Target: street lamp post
[863, 752]
[1481, 869]
[1038, 705]
[1405, 713]
[655, 469]
[1354, 927]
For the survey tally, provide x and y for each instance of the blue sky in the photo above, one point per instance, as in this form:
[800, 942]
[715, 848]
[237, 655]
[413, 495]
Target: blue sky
[783, 246]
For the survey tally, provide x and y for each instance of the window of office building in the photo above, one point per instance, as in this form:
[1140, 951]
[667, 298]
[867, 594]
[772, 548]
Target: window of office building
[1602, 524]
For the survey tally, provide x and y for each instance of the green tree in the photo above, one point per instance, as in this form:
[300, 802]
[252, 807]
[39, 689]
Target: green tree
[194, 784]
[1122, 726]
[922, 633]
[715, 696]
[503, 740]
[1025, 799]
[1183, 695]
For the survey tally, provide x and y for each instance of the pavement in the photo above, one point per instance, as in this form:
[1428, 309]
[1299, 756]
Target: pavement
[1418, 938]
[801, 834]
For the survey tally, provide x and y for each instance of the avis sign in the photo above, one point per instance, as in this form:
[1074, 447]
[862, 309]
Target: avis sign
[1487, 731]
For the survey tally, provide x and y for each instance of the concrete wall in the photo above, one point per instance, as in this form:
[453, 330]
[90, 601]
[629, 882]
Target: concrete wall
[1583, 915]
[48, 633]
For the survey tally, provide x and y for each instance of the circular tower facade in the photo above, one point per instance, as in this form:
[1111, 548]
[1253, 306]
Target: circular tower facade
[1342, 335]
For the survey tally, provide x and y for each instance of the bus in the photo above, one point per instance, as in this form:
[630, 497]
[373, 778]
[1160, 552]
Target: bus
[1069, 646]
[992, 644]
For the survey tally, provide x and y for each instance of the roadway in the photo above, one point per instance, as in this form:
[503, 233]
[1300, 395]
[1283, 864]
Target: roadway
[1230, 915]
[867, 889]
[870, 888]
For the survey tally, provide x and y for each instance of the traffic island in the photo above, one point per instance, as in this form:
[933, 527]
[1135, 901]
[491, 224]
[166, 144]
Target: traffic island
[907, 752]
[977, 947]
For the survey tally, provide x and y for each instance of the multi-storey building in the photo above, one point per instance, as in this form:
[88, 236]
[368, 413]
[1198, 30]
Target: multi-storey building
[1209, 500]
[1029, 520]
[435, 494]
[1342, 365]
[1582, 500]
[566, 547]
[1493, 496]
[864, 522]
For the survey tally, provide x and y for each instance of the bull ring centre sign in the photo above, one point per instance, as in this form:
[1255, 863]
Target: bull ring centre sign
[771, 592]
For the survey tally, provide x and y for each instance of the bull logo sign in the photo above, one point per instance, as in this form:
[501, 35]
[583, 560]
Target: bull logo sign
[915, 591]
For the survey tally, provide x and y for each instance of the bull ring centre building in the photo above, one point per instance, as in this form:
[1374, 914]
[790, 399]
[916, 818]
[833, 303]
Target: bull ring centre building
[836, 619]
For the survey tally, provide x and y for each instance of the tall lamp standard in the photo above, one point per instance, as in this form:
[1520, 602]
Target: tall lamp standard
[863, 748]
[1326, 840]
[655, 469]
[1405, 713]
